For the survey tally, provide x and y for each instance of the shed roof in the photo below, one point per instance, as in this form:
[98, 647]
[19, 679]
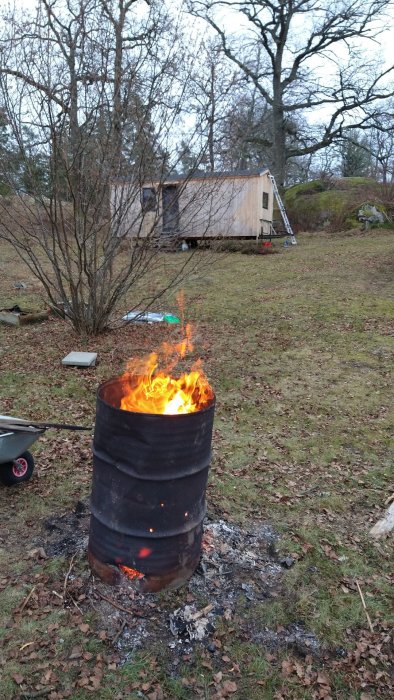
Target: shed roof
[218, 173]
[201, 175]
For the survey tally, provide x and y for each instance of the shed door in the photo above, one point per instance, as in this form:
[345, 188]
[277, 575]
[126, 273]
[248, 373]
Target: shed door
[170, 209]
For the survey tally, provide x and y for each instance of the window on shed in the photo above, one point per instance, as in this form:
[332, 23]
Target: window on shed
[265, 200]
[148, 199]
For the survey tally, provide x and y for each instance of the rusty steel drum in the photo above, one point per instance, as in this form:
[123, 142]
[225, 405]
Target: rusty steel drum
[148, 495]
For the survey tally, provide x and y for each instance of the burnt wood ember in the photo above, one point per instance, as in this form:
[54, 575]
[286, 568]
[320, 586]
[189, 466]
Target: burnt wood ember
[148, 495]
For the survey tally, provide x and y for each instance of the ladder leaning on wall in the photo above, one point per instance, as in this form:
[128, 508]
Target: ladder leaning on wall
[282, 210]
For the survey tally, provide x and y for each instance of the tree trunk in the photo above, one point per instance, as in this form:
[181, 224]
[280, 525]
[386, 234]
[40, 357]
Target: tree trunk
[211, 121]
[279, 156]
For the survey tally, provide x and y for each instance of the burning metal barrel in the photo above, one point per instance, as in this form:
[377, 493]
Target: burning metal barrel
[148, 497]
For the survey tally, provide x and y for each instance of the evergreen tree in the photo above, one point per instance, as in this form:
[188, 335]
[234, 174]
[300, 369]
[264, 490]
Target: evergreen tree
[355, 156]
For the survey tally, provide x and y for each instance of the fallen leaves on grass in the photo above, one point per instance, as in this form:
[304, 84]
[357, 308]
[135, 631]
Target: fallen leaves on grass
[53, 670]
[369, 664]
[367, 668]
[224, 690]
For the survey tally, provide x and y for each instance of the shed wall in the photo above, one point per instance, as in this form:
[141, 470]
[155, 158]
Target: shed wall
[208, 208]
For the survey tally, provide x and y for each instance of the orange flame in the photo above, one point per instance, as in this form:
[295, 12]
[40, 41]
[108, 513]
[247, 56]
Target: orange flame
[148, 389]
[131, 573]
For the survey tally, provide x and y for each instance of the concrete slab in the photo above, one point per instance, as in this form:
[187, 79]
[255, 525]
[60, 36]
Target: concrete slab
[80, 359]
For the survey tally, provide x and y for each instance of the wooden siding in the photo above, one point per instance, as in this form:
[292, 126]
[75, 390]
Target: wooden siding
[230, 206]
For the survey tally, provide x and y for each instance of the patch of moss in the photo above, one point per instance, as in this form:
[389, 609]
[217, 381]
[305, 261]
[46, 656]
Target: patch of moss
[318, 204]
[304, 188]
[4, 189]
[345, 183]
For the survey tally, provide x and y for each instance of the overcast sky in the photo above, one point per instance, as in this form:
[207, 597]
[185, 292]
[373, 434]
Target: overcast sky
[381, 47]
[384, 43]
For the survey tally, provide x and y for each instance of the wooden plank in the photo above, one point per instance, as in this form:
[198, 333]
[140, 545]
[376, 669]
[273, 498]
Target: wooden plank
[16, 318]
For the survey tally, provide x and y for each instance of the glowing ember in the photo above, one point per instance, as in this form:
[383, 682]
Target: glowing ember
[149, 389]
[131, 573]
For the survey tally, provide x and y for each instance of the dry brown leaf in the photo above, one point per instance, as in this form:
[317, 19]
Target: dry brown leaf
[299, 669]
[329, 551]
[95, 681]
[18, 678]
[287, 667]
[322, 678]
[76, 653]
[324, 693]
[47, 676]
[229, 687]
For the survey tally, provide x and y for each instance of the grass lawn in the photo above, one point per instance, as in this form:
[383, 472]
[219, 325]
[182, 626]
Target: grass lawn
[299, 349]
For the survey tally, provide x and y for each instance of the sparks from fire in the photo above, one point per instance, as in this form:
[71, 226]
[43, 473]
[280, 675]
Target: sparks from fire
[150, 386]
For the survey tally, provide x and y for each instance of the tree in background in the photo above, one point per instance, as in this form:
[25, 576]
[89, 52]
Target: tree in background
[304, 56]
[246, 128]
[381, 143]
[7, 152]
[356, 158]
[212, 90]
[90, 89]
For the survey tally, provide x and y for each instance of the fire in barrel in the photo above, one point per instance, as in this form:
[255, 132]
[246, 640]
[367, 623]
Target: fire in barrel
[151, 455]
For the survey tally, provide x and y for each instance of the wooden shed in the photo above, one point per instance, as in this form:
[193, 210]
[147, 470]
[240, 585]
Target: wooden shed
[237, 204]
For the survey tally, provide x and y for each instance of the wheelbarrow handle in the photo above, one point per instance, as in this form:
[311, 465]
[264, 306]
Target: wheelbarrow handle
[21, 424]
[61, 426]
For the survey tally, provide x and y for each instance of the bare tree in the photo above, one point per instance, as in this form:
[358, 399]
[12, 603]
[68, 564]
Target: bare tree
[381, 144]
[246, 128]
[312, 62]
[216, 84]
[212, 86]
[91, 87]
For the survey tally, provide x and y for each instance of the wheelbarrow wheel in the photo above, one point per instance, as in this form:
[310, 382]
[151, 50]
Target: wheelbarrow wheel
[17, 471]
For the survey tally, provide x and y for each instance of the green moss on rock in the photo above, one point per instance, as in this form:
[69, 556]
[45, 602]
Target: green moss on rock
[332, 204]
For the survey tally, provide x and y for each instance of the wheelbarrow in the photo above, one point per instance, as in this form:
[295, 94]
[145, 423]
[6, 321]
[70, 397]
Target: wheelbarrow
[16, 436]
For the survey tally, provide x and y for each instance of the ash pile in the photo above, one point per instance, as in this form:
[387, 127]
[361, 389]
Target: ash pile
[238, 570]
